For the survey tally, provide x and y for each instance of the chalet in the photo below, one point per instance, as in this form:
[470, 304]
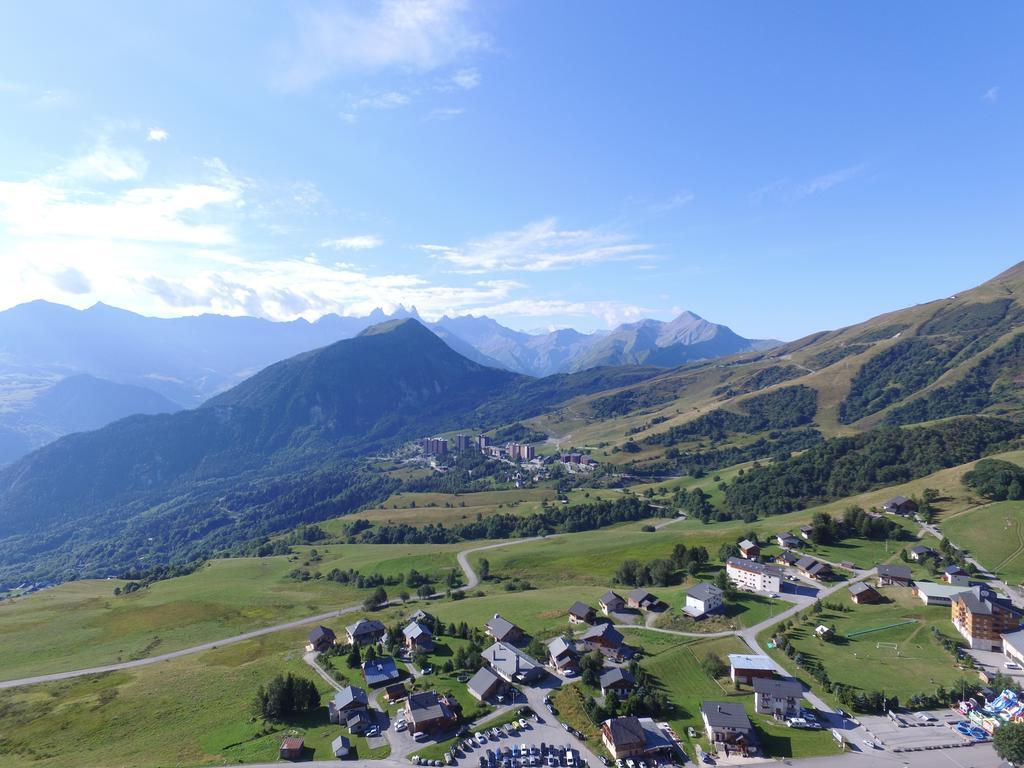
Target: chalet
[562, 654]
[347, 699]
[512, 665]
[642, 600]
[357, 720]
[418, 637]
[956, 576]
[930, 593]
[428, 712]
[485, 685]
[921, 552]
[785, 557]
[787, 540]
[422, 617]
[744, 667]
[611, 602]
[894, 575]
[340, 747]
[503, 630]
[395, 692]
[626, 737]
[291, 748]
[603, 637]
[806, 531]
[366, 632]
[321, 639]
[581, 613]
[900, 505]
[777, 698]
[862, 593]
[982, 618]
[380, 671]
[728, 728]
[617, 679]
[749, 550]
[702, 599]
[755, 576]
[813, 569]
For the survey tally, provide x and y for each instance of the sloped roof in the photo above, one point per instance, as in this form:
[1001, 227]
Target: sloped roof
[381, 670]
[603, 630]
[581, 609]
[780, 688]
[500, 627]
[894, 571]
[415, 631]
[559, 646]
[750, 661]
[321, 633]
[350, 695]
[725, 714]
[625, 730]
[365, 627]
[616, 675]
[482, 681]
[703, 591]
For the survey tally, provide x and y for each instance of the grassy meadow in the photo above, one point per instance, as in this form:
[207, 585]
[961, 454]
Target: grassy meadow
[994, 535]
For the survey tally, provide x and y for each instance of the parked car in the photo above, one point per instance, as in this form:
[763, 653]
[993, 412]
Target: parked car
[1012, 665]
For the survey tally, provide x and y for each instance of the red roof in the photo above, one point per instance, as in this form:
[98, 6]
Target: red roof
[292, 742]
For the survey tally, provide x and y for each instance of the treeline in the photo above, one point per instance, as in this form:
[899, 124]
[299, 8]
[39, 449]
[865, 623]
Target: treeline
[782, 409]
[143, 577]
[855, 523]
[996, 479]
[580, 517]
[663, 572]
[847, 465]
[285, 697]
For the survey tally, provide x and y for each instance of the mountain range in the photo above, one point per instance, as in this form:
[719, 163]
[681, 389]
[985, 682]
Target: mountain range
[185, 361]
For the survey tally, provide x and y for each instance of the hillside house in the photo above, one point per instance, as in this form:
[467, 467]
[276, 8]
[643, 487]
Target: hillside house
[786, 557]
[745, 667]
[395, 692]
[581, 613]
[611, 602]
[728, 728]
[862, 593]
[900, 505]
[777, 698]
[626, 737]
[512, 665]
[380, 671]
[358, 721]
[321, 639]
[749, 550]
[485, 685]
[366, 632]
[982, 618]
[787, 540]
[429, 712]
[503, 630]
[921, 552]
[752, 575]
[617, 679]
[824, 633]
[956, 576]
[340, 747]
[702, 599]
[562, 654]
[418, 637]
[805, 532]
[813, 569]
[603, 637]
[347, 699]
[894, 575]
[642, 600]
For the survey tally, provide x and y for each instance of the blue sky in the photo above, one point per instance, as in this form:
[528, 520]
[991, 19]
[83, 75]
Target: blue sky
[778, 167]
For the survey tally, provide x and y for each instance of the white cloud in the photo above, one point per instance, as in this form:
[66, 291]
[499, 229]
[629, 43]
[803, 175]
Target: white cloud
[610, 312]
[466, 79]
[539, 247]
[828, 181]
[108, 163]
[157, 134]
[418, 35]
[678, 200]
[445, 113]
[353, 243]
[992, 94]
[388, 100]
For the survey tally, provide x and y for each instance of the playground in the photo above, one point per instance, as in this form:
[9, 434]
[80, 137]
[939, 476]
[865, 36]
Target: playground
[889, 647]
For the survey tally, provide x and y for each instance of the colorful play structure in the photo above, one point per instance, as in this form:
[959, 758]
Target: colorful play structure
[988, 716]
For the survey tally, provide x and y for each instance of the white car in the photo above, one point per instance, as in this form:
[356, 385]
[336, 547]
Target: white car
[522, 724]
[400, 725]
[1012, 665]
[420, 736]
[481, 739]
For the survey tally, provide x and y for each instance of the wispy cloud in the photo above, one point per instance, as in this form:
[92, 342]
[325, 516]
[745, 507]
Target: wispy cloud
[787, 190]
[418, 35]
[353, 243]
[387, 100]
[108, 163]
[157, 134]
[539, 247]
[991, 95]
[445, 113]
[611, 313]
[466, 79]
[676, 201]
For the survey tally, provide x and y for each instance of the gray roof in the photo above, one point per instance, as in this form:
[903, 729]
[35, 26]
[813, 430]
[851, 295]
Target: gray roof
[321, 633]
[340, 744]
[509, 661]
[500, 627]
[626, 730]
[581, 609]
[366, 627]
[725, 714]
[974, 602]
[640, 595]
[894, 571]
[380, 670]
[610, 597]
[920, 549]
[789, 688]
[616, 675]
[750, 565]
[605, 630]
[703, 591]
[425, 706]
[559, 646]
[746, 544]
[415, 631]
[860, 587]
[805, 563]
[350, 695]
[482, 681]
[750, 661]
[896, 501]
[953, 569]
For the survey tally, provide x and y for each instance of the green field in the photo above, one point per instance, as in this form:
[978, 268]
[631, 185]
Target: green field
[82, 624]
[190, 711]
[994, 535]
[921, 666]
[745, 610]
